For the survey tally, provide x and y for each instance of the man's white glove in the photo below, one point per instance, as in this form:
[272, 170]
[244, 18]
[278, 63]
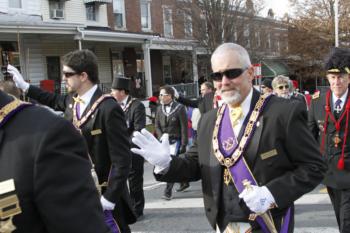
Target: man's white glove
[258, 199]
[155, 152]
[107, 205]
[17, 78]
[176, 93]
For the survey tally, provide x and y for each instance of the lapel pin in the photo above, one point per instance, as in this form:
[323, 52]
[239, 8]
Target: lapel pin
[258, 124]
[70, 106]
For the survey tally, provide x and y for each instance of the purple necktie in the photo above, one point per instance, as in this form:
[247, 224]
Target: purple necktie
[77, 108]
[337, 106]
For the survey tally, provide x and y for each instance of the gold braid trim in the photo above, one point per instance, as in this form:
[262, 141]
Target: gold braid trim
[229, 161]
[8, 108]
[78, 123]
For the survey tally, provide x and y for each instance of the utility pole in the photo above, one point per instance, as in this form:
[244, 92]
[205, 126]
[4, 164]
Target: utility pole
[336, 19]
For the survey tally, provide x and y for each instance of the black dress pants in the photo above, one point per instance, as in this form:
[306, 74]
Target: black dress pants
[340, 199]
[136, 184]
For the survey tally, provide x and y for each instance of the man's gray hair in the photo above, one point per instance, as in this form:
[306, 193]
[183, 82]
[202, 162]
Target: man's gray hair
[242, 53]
[280, 79]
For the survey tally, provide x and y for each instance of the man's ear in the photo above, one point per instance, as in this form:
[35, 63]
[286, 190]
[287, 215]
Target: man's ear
[84, 76]
[250, 72]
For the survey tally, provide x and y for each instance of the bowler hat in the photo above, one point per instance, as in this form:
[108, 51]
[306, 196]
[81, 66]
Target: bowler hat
[121, 82]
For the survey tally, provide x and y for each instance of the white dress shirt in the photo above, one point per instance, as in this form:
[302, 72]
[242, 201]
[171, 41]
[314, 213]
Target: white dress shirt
[87, 98]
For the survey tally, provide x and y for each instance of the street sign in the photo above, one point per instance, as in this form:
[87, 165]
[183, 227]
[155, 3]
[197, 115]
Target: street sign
[257, 70]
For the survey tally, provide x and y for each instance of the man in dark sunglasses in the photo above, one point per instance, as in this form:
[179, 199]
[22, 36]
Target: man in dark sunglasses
[101, 121]
[283, 87]
[248, 138]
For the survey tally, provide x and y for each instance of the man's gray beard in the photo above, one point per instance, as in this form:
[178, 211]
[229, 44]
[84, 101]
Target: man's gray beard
[233, 99]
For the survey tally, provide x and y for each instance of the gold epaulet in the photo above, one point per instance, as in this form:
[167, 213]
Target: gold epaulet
[316, 95]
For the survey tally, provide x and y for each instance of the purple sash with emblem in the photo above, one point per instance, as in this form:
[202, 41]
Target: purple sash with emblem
[239, 170]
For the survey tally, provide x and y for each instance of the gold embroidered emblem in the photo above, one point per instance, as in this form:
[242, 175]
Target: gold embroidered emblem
[336, 140]
[228, 143]
[227, 176]
[9, 206]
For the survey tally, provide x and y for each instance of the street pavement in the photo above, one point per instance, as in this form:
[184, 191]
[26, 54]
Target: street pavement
[185, 212]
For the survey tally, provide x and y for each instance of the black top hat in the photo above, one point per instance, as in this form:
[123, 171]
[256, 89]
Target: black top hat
[338, 61]
[121, 82]
[267, 83]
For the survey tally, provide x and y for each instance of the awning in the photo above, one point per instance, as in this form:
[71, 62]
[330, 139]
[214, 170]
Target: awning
[97, 1]
[272, 68]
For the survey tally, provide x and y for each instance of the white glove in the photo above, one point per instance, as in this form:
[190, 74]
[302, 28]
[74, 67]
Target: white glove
[17, 78]
[176, 93]
[155, 152]
[258, 199]
[107, 205]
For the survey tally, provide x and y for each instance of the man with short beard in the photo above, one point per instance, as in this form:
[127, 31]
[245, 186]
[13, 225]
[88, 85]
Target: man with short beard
[243, 154]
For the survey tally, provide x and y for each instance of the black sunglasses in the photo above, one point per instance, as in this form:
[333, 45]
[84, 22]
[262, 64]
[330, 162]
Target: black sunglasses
[283, 87]
[230, 74]
[69, 74]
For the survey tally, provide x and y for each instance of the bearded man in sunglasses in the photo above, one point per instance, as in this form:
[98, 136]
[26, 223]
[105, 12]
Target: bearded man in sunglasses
[249, 169]
[101, 121]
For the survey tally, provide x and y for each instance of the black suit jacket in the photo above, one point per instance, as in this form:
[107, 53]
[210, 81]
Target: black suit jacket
[108, 149]
[175, 124]
[334, 178]
[203, 103]
[47, 158]
[295, 170]
[135, 116]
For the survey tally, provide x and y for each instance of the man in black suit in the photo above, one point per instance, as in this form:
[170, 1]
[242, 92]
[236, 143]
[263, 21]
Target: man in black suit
[101, 121]
[208, 100]
[251, 139]
[328, 122]
[135, 115]
[171, 119]
[46, 172]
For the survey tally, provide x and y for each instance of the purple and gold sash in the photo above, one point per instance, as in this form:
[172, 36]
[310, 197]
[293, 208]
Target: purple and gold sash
[229, 153]
[11, 109]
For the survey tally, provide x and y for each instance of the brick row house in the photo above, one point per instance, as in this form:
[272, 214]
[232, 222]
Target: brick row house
[149, 40]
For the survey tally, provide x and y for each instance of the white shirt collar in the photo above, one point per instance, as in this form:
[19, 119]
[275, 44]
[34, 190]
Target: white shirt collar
[343, 98]
[125, 100]
[88, 95]
[246, 103]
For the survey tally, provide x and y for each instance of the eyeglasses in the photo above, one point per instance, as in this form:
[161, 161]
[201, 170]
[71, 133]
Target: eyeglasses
[69, 74]
[281, 87]
[230, 74]
[161, 95]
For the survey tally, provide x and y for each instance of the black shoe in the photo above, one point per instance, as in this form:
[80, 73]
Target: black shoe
[166, 197]
[183, 187]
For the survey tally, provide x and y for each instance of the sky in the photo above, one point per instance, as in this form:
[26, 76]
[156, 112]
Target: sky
[279, 7]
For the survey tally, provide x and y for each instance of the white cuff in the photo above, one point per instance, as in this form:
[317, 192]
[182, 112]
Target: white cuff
[107, 205]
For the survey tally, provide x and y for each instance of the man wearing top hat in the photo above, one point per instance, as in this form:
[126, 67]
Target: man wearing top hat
[101, 121]
[135, 116]
[329, 122]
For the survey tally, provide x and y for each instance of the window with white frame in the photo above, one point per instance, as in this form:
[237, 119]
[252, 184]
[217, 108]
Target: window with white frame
[56, 9]
[246, 35]
[145, 6]
[91, 11]
[188, 25]
[257, 38]
[119, 13]
[15, 3]
[168, 21]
